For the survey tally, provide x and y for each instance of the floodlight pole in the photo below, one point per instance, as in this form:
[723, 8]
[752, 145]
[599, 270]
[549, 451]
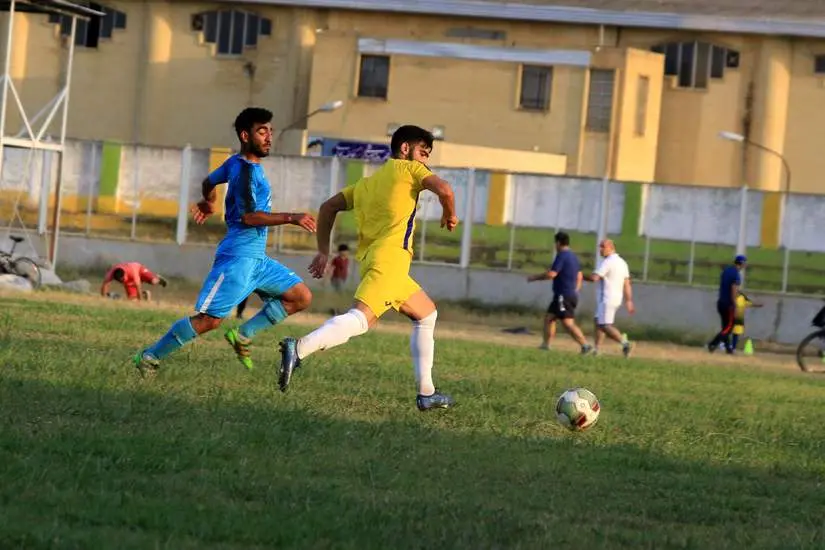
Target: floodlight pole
[6, 63]
[61, 167]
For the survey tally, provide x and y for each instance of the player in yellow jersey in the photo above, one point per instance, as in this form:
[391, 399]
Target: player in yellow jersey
[384, 205]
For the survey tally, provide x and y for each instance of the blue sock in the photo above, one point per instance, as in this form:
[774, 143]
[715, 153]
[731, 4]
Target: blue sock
[179, 334]
[734, 341]
[271, 314]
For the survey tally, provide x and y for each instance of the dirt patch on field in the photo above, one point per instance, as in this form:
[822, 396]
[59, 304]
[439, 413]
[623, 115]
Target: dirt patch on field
[658, 351]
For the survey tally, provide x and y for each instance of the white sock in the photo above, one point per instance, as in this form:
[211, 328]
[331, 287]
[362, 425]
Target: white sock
[422, 346]
[334, 332]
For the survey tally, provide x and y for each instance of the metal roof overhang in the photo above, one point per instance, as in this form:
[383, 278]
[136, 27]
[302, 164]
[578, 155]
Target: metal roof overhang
[814, 28]
[63, 7]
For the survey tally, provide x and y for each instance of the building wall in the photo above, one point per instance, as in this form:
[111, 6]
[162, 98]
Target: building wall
[157, 82]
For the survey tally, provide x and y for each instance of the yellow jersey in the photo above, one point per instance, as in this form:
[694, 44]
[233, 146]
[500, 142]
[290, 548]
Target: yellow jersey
[385, 203]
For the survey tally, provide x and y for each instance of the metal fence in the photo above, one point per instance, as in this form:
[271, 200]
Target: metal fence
[668, 233]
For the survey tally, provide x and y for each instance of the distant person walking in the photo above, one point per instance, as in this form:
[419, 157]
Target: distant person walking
[729, 283]
[613, 276]
[567, 281]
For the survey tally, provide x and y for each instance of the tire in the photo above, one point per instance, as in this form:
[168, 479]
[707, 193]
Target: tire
[26, 268]
[801, 360]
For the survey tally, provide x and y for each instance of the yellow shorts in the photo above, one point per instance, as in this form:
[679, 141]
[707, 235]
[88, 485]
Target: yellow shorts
[385, 280]
[739, 329]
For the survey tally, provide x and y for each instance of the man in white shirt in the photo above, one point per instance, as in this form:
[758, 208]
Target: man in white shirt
[613, 277]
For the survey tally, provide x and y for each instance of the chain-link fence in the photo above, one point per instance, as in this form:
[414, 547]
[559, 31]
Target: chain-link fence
[667, 233]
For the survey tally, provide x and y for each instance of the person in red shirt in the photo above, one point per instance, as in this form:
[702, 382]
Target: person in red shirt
[131, 275]
[340, 268]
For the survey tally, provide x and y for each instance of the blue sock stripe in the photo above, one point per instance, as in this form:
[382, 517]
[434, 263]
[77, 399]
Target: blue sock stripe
[180, 333]
[272, 313]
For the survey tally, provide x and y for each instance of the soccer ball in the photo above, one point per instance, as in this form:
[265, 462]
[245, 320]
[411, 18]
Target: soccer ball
[577, 409]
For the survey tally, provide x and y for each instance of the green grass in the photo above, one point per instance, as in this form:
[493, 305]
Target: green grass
[211, 456]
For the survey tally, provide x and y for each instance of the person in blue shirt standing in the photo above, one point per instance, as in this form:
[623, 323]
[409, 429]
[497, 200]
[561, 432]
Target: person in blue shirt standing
[729, 283]
[566, 275]
[241, 265]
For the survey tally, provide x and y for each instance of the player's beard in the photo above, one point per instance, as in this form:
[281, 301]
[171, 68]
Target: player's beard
[259, 152]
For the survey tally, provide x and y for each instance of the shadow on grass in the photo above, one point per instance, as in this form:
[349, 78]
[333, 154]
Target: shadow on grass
[95, 467]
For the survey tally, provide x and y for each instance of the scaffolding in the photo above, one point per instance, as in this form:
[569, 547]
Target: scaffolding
[31, 137]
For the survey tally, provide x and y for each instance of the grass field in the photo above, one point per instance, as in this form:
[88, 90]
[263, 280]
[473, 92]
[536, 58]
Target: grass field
[211, 456]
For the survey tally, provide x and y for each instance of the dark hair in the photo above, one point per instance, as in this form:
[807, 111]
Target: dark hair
[343, 248]
[562, 238]
[412, 135]
[249, 117]
[118, 274]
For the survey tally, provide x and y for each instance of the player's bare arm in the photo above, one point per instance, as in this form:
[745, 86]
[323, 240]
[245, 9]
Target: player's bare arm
[326, 219]
[546, 276]
[446, 197]
[104, 288]
[205, 207]
[258, 219]
[579, 279]
[628, 297]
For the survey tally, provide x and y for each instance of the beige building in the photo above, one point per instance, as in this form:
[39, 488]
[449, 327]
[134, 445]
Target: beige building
[635, 89]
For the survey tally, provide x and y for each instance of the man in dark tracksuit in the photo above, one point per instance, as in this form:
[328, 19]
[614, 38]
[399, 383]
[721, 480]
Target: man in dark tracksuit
[729, 284]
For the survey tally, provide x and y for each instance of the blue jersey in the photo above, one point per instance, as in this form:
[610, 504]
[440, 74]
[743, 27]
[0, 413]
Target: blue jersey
[248, 191]
[566, 265]
[730, 276]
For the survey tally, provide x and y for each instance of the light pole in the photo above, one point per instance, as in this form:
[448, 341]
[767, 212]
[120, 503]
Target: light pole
[325, 108]
[732, 136]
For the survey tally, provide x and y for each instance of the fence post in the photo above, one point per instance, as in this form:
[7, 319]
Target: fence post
[334, 173]
[513, 206]
[467, 235]
[787, 241]
[183, 197]
[135, 194]
[601, 228]
[742, 237]
[647, 257]
[45, 190]
[692, 262]
[90, 190]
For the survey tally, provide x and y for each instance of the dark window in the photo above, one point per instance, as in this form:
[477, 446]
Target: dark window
[374, 76]
[231, 30]
[600, 100]
[224, 31]
[686, 64]
[120, 20]
[536, 86]
[238, 28]
[717, 62]
[253, 24]
[702, 72]
[672, 59]
[695, 63]
[819, 64]
[89, 32]
[210, 30]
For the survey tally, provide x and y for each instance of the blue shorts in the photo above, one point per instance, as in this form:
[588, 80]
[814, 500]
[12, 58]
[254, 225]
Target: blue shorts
[233, 278]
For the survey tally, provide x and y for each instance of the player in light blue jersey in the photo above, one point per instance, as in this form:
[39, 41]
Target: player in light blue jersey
[241, 265]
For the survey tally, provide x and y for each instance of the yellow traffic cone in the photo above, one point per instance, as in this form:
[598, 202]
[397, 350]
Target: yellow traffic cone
[748, 347]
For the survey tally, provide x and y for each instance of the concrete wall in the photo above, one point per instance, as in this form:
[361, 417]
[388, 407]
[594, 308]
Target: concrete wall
[785, 318]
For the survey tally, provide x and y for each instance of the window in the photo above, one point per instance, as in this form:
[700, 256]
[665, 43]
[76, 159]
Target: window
[600, 100]
[642, 93]
[231, 31]
[536, 85]
[695, 63]
[374, 76]
[88, 33]
[819, 64]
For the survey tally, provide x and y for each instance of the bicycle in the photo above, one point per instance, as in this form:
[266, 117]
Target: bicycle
[20, 266]
[809, 357]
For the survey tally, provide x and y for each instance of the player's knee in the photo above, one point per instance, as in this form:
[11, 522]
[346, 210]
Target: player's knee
[303, 297]
[204, 323]
[427, 322]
